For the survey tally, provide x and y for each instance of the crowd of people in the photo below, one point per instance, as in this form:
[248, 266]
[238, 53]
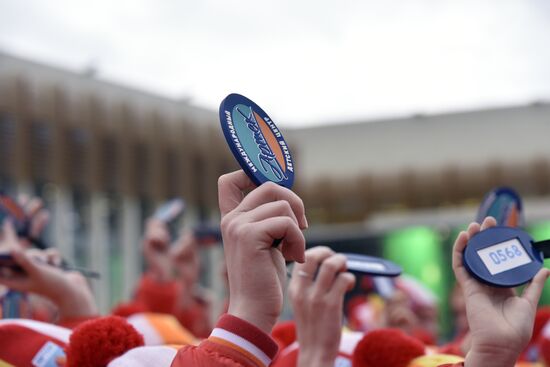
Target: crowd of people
[167, 323]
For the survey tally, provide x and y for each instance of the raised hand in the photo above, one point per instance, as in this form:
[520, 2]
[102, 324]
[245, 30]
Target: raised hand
[250, 225]
[500, 321]
[156, 246]
[318, 302]
[67, 290]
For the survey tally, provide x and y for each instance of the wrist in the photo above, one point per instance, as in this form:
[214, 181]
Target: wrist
[73, 301]
[261, 320]
[490, 357]
[316, 358]
[160, 274]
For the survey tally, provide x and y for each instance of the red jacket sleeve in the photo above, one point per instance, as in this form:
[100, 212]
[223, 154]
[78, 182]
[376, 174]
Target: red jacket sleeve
[161, 297]
[232, 343]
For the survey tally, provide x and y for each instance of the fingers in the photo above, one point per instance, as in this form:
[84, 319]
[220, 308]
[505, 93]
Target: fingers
[34, 210]
[344, 283]
[272, 209]
[473, 228]
[230, 196]
[25, 262]
[308, 269]
[269, 204]
[185, 241]
[269, 192]
[461, 241]
[328, 271]
[33, 206]
[53, 257]
[10, 240]
[464, 236]
[18, 283]
[461, 274]
[37, 254]
[331, 277]
[230, 190]
[533, 291]
[39, 222]
[458, 249]
[23, 199]
[488, 223]
[156, 235]
[294, 243]
[155, 226]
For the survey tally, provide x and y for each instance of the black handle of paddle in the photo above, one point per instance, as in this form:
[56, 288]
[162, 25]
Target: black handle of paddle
[544, 247]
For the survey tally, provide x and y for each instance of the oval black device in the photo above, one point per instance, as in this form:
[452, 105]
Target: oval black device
[503, 256]
[371, 265]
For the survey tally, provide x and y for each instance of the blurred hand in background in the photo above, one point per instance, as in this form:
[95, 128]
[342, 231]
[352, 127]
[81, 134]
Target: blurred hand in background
[317, 290]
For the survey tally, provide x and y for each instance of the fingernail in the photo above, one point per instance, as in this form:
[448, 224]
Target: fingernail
[304, 221]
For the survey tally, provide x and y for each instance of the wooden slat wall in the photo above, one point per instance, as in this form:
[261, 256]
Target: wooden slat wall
[20, 105]
[49, 136]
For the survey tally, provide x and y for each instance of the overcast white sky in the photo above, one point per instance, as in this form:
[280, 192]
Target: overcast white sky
[305, 61]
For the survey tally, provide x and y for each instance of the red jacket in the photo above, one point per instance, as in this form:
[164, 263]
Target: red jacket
[233, 343]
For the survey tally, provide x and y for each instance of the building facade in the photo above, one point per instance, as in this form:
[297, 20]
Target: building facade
[350, 171]
[103, 156]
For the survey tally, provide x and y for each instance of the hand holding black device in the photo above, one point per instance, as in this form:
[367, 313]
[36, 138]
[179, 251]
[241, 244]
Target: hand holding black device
[9, 268]
[11, 210]
[168, 213]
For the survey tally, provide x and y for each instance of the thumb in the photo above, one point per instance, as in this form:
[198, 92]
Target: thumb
[533, 291]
